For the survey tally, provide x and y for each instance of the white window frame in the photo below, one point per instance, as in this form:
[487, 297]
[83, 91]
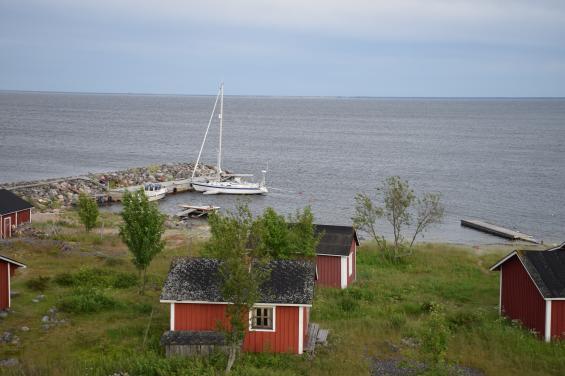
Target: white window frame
[252, 329]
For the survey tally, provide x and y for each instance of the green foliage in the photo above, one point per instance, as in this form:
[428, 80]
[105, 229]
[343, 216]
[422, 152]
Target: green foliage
[86, 300]
[40, 283]
[278, 238]
[435, 337]
[401, 208]
[142, 229]
[87, 211]
[96, 277]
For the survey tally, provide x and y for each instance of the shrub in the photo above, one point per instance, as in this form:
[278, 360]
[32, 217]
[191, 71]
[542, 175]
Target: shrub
[86, 300]
[434, 339]
[95, 277]
[464, 319]
[87, 211]
[38, 284]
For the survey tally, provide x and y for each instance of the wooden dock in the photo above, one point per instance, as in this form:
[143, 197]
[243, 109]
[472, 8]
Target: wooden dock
[498, 230]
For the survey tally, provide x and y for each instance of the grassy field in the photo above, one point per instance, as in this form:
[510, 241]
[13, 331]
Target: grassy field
[104, 326]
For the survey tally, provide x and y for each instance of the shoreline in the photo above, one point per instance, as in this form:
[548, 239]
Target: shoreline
[55, 193]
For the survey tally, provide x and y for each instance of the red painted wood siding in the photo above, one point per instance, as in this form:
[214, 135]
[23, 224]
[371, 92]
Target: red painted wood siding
[521, 299]
[199, 316]
[283, 340]
[23, 216]
[329, 270]
[206, 316]
[558, 319]
[4, 290]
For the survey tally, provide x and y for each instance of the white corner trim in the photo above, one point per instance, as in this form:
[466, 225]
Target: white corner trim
[350, 264]
[274, 318]
[343, 272]
[9, 287]
[547, 320]
[300, 330]
[172, 316]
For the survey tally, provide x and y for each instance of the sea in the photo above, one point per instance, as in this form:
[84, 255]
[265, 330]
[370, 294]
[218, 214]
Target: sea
[501, 160]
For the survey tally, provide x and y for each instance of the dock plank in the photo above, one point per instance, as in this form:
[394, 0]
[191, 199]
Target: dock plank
[497, 230]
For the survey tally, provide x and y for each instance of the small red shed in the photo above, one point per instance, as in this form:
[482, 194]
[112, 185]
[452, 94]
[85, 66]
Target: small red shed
[279, 323]
[532, 290]
[7, 270]
[336, 256]
[13, 212]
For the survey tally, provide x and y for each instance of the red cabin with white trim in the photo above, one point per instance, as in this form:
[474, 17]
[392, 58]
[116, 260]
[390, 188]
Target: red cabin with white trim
[13, 212]
[7, 270]
[336, 256]
[532, 290]
[279, 323]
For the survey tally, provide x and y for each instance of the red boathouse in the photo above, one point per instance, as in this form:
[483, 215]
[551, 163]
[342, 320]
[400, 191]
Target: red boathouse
[279, 323]
[532, 290]
[7, 270]
[13, 212]
[336, 256]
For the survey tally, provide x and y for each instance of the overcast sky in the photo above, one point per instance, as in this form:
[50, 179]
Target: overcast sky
[285, 47]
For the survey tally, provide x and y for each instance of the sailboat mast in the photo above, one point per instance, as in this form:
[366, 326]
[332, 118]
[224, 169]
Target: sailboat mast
[205, 135]
[221, 127]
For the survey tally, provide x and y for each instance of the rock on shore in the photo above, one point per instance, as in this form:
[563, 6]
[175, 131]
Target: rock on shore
[64, 192]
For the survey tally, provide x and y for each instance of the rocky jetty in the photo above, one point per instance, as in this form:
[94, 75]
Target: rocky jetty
[64, 192]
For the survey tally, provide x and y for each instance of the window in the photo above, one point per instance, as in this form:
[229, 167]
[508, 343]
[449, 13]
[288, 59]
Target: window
[262, 318]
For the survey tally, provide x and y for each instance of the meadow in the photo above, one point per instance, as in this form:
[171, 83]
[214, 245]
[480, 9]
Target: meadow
[440, 301]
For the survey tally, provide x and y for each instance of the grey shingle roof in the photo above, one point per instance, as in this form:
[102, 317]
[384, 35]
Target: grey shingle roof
[198, 279]
[9, 202]
[336, 240]
[547, 269]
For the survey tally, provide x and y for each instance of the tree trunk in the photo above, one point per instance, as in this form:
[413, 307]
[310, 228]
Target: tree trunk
[231, 357]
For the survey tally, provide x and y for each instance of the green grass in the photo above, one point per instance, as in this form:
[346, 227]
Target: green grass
[386, 314]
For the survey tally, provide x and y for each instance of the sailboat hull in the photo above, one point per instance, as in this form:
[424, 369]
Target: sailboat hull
[229, 188]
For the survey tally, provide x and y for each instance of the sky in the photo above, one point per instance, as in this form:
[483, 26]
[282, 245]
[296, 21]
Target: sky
[400, 48]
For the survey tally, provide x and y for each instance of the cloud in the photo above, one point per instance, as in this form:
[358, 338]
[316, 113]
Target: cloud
[485, 21]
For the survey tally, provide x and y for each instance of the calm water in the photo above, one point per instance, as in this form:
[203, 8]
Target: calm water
[501, 160]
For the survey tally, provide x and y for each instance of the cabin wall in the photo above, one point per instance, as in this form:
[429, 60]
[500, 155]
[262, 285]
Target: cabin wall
[204, 317]
[283, 340]
[558, 319]
[329, 270]
[4, 286]
[199, 317]
[23, 216]
[520, 298]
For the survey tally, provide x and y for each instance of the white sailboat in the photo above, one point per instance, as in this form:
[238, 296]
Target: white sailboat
[224, 183]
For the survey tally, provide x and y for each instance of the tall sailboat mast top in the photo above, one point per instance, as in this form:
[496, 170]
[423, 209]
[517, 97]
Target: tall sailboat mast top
[220, 93]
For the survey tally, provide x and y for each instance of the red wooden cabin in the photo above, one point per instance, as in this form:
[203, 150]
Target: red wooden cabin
[13, 212]
[532, 290]
[7, 270]
[336, 256]
[279, 323]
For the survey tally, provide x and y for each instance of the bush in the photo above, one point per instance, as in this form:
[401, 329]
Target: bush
[38, 284]
[86, 300]
[95, 277]
[463, 319]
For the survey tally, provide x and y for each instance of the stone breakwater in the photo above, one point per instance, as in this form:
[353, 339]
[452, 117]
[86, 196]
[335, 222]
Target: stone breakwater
[64, 192]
